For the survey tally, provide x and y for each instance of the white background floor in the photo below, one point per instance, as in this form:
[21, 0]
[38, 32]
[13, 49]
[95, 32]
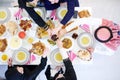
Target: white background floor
[103, 67]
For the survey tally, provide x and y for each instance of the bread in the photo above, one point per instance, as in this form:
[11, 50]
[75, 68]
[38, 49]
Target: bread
[12, 27]
[84, 13]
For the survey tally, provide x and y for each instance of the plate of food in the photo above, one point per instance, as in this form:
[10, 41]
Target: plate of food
[55, 57]
[12, 27]
[67, 43]
[38, 48]
[15, 42]
[4, 15]
[3, 30]
[21, 56]
[84, 55]
[25, 23]
[85, 40]
[84, 12]
[3, 44]
[41, 33]
[61, 12]
[4, 57]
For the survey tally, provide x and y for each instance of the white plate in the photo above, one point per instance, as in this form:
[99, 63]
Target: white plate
[61, 11]
[71, 41]
[85, 40]
[5, 15]
[15, 42]
[24, 54]
[52, 57]
[4, 56]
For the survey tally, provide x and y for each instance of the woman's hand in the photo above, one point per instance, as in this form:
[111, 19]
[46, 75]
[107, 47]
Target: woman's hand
[45, 53]
[20, 69]
[10, 62]
[61, 32]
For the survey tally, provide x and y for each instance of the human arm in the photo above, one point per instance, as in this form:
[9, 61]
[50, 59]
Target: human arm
[70, 12]
[93, 22]
[47, 72]
[41, 66]
[69, 72]
[39, 21]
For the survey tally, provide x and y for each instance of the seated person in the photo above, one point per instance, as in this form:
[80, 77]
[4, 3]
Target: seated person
[25, 72]
[54, 4]
[30, 10]
[69, 73]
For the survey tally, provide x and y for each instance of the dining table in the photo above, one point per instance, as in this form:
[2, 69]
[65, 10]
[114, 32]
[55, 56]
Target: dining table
[85, 25]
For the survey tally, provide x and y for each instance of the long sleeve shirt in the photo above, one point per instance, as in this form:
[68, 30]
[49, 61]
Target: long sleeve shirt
[13, 74]
[30, 10]
[71, 4]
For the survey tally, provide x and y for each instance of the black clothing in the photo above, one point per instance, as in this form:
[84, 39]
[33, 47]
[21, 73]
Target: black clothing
[30, 10]
[13, 74]
[69, 72]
